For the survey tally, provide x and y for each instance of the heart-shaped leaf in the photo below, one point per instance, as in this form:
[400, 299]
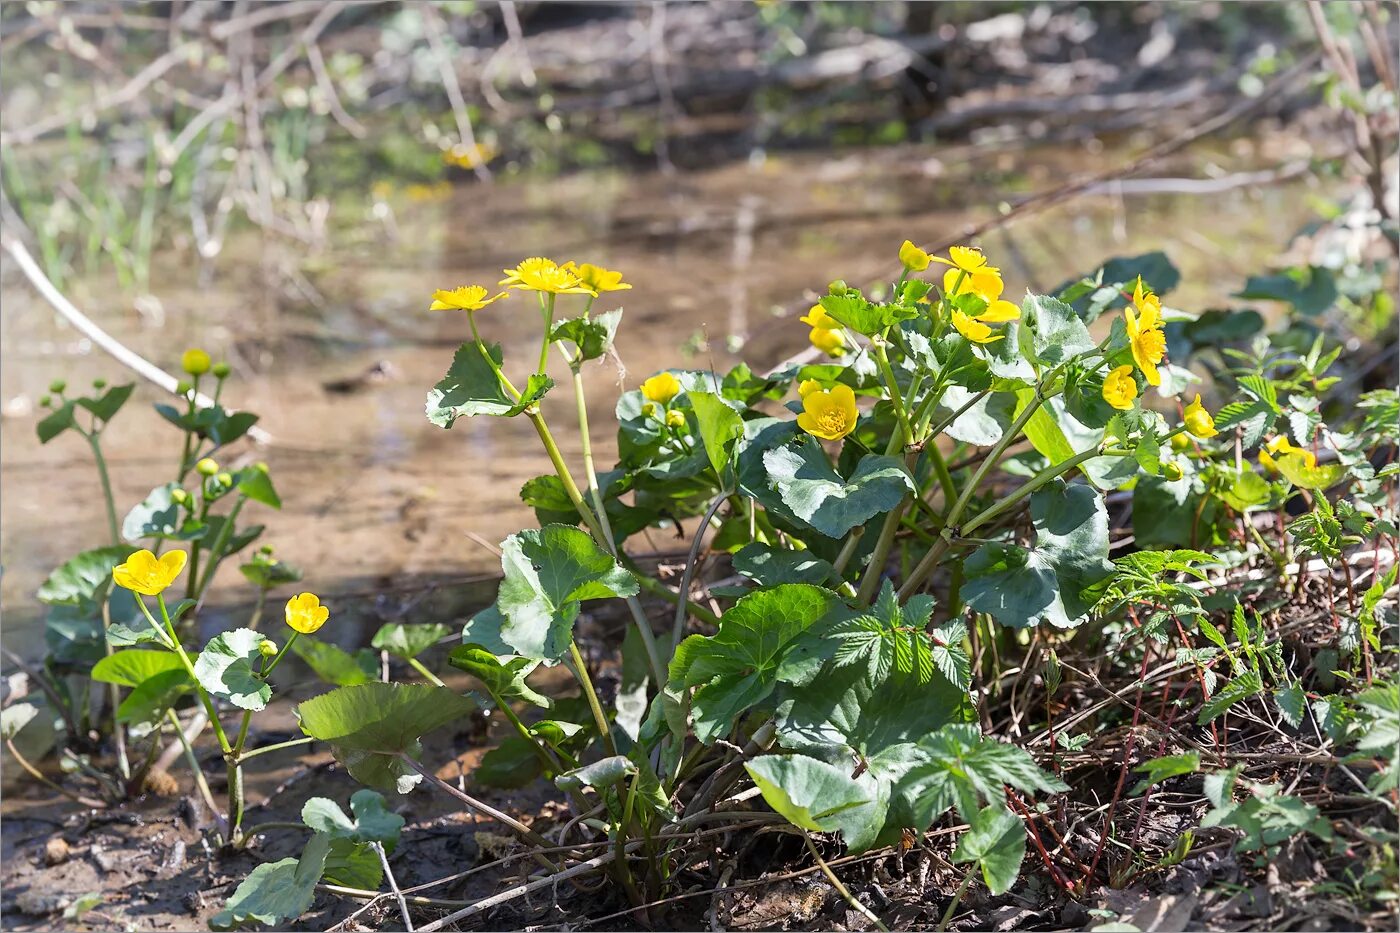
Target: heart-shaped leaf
[129, 668]
[409, 641]
[471, 388]
[225, 668]
[738, 666]
[818, 495]
[996, 841]
[1020, 586]
[334, 665]
[276, 892]
[808, 793]
[82, 579]
[373, 821]
[503, 677]
[156, 516]
[548, 573]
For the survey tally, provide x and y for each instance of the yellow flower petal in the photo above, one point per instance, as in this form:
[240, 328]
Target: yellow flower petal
[601, 280]
[829, 415]
[913, 258]
[967, 258]
[462, 298]
[1199, 421]
[830, 341]
[807, 387]
[973, 329]
[985, 283]
[661, 388]
[816, 316]
[1120, 389]
[999, 312]
[538, 274]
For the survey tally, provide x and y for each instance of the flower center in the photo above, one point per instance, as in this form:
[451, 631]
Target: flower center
[1153, 344]
[832, 421]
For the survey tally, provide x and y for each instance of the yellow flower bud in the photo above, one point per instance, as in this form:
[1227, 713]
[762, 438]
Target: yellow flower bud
[649, 409]
[913, 258]
[225, 479]
[1181, 443]
[1172, 471]
[267, 647]
[832, 342]
[195, 362]
[675, 419]
[206, 467]
[1199, 421]
[807, 386]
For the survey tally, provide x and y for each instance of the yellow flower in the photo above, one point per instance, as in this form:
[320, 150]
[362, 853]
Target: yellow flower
[832, 342]
[195, 362]
[966, 258]
[537, 274]
[1198, 420]
[816, 317]
[1119, 389]
[470, 157]
[1281, 446]
[147, 574]
[599, 279]
[462, 298]
[807, 386]
[1145, 332]
[973, 329]
[829, 415]
[661, 388]
[305, 613]
[913, 258]
[985, 283]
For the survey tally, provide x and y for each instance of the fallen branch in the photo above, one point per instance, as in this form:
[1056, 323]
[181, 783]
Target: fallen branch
[128, 358]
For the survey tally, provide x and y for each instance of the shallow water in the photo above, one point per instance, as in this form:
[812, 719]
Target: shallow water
[377, 501]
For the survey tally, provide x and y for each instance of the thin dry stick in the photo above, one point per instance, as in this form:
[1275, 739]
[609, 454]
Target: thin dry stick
[486, 810]
[394, 886]
[133, 361]
[433, 30]
[683, 604]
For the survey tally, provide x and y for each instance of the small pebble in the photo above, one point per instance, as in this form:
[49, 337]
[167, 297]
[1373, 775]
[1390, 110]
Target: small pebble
[56, 851]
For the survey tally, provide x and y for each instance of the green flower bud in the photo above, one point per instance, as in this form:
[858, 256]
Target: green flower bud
[649, 409]
[57, 386]
[46, 402]
[265, 549]
[267, 648]
[99, 384]
[195, 362]
[1180, 443]
[221, 370]
[1172, 471]
[183, 387]
[206, 467]
[225, 479]
[180, 497]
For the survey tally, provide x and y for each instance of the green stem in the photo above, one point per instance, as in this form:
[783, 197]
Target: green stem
[1007, 439]
[179, 650]
[957, 898]
[562, 470]
[417, 665]
[586, 682]
[95, 444]
[848, 550]
[291, 743]
[1034, 483]
[841, 888]
[198, 772]
[258, 609]
[940, 469]
[542, 751]
[267, 671]
[490, 361]
[547, 309]
[216, 550]
[887, 371]
[657, 588]
[876, 567]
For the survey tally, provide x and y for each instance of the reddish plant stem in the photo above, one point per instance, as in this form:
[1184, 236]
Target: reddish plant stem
[1123, 771]
[1055, 874]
